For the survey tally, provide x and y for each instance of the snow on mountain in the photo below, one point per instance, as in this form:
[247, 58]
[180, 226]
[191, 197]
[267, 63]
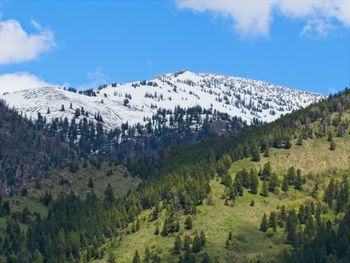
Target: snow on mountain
[133, 102]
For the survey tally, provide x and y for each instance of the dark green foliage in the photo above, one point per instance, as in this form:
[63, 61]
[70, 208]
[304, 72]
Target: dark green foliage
[188, 223]
[90, 183]
[136, 258]
[255, 154]
[298, 181]
[177, 245]
[264, 225]
[266, 172]
[196, 244]
[273, 221]
[291, 175]
[265, 189]
[285, 183]
[273, 182]
[171, 225]
[109, 195]
[254, 182]
[111, 258]
[343, 195]
[291, 228]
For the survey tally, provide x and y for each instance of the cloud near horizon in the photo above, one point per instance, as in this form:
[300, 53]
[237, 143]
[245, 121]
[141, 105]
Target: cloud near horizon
[254, 17]
[12, 82]
[16, 45]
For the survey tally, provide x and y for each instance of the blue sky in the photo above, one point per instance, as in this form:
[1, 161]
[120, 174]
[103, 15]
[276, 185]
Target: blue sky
[87, 43]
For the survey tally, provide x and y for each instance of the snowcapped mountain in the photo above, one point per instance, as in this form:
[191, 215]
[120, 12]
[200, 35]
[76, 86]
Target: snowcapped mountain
[137, 101]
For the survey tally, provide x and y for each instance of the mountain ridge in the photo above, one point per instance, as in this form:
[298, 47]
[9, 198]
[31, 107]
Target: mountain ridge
[137, 102]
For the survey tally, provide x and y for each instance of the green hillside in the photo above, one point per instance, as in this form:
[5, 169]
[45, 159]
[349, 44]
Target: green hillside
[249, 244]
[272, 193]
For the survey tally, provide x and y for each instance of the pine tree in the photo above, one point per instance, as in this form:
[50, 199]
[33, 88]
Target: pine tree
[273, 182]
[343, 195]
[329, 193]
[177, 245]
[273, 221]
[255, 154]
[187, 244]
[282, 216]
[265, 189]
[285, 184]
[298, 181]
[197, 244]
[291, 228]
[226, 180]
[332, 145]
[136, 258]
[291, 175]
[266, 172]
[188, 223]
[264, 224]
[254, 182]
[109, 195]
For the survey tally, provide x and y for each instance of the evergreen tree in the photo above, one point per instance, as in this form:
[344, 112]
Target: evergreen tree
[255, 154]
[254, 182]
[265, 189]
[136, 258]
[197, 244]
[188, 223]
[298, 181]
[332, 145]
[266, 172]
[109, 195]
[273, 182]
[264, 224]
[291, 175]
[273, 221]
[343, 195]
[329, 193]
[285, 184]
[291, 228]
[177, 245]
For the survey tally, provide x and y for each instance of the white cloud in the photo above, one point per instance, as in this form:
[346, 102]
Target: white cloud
[16, 45]
[12, 82]
[254, 17]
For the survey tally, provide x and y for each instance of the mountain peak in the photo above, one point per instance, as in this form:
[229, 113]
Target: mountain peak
[138, 101]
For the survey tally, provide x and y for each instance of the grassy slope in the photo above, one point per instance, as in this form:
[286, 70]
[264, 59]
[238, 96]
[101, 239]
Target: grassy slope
[313, 157]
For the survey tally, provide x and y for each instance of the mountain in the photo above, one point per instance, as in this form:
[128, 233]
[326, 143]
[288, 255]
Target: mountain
[276, 192]
[137, 102]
